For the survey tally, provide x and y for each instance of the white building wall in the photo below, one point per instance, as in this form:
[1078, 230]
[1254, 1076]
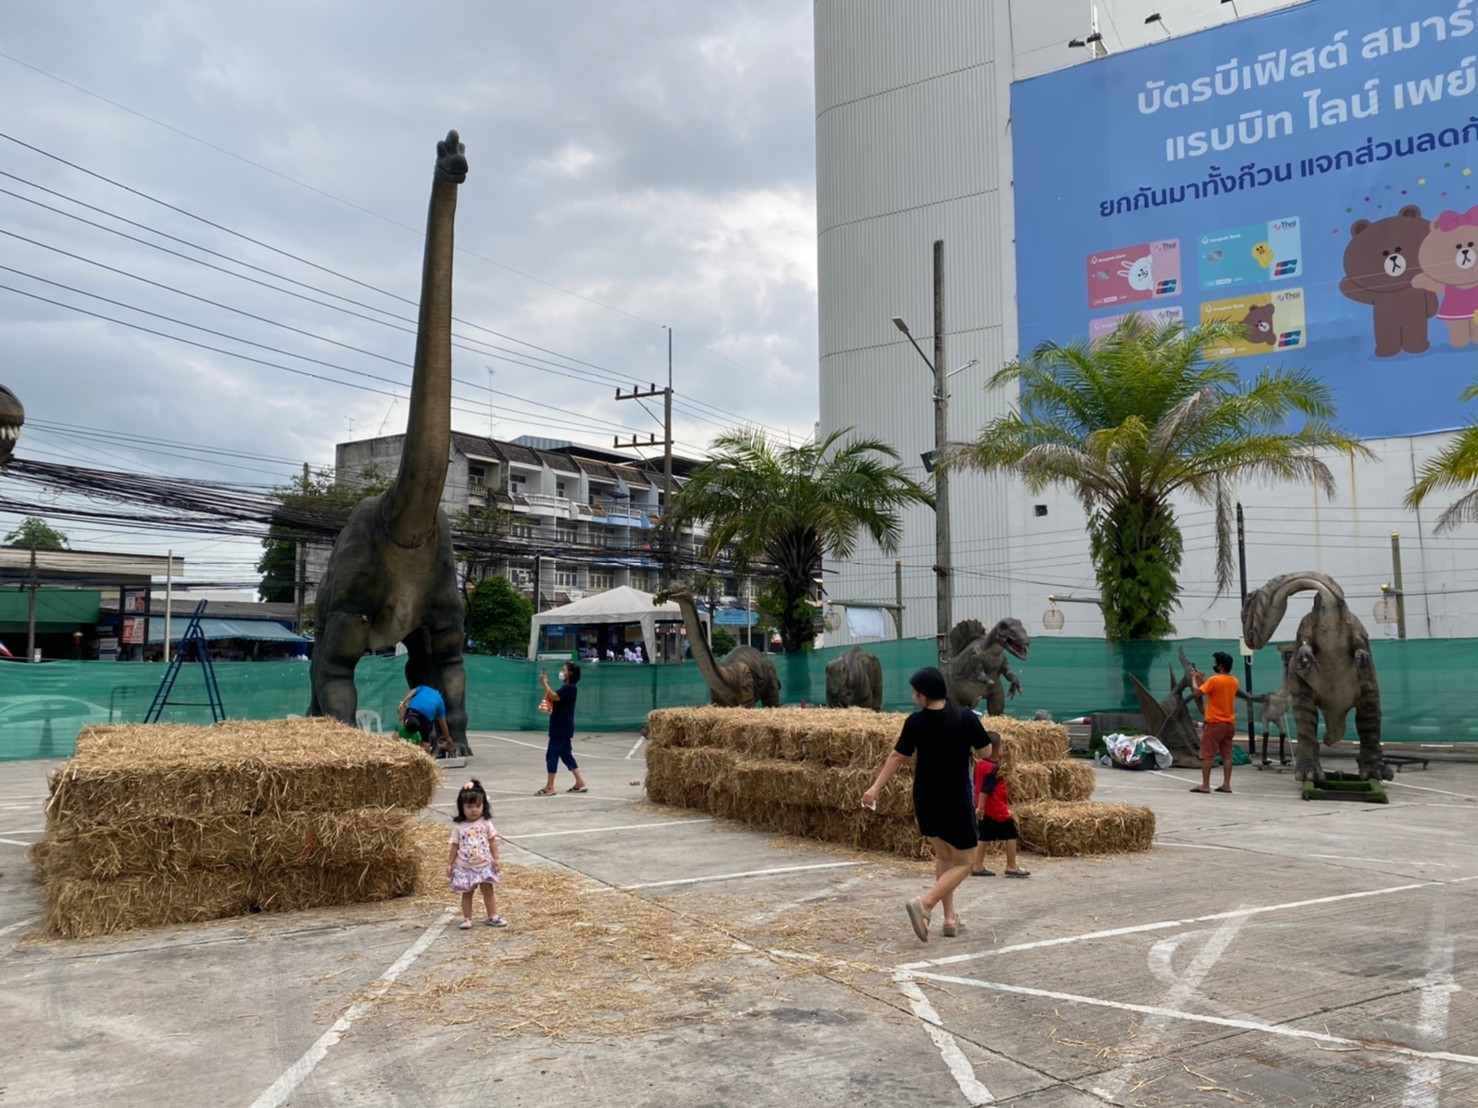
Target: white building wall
[913, 144]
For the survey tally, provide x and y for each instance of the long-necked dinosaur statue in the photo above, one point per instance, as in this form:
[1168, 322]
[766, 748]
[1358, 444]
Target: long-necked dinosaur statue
[12, 415]
[977, 665]
[1330, 670]
[392, 576]
[741, 677]
[855, 680]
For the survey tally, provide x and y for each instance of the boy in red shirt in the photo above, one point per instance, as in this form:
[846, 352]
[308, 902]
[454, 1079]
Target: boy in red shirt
[994, 823]
[1220, 693]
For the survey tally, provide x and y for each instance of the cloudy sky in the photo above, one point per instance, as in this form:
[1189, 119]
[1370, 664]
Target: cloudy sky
[258, 174]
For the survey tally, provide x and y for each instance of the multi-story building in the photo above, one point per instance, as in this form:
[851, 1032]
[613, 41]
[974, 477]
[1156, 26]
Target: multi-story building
[563, 520]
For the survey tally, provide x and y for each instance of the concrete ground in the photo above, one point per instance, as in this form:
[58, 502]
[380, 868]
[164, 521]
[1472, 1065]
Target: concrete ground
[1267, 951]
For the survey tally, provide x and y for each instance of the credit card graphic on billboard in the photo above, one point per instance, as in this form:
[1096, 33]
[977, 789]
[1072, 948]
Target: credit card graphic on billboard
[1251, 255]
[1156, 317]
[1267, 322]
[1145, 271]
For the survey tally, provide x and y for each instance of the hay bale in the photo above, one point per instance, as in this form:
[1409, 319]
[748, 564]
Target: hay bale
[1024, 740]
[163, 824]
[239, 768]
[102, 849]
[1028, 781]
[1076, 828]
[1072, 779]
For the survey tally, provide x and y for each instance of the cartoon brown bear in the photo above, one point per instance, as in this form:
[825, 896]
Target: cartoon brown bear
[1381, 264]
[1449, 264]
[1258, 323]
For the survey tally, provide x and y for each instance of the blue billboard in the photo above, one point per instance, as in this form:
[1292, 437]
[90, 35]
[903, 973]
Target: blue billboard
[1310, 175]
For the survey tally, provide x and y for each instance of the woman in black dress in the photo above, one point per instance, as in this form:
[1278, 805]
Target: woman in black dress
[942, 735]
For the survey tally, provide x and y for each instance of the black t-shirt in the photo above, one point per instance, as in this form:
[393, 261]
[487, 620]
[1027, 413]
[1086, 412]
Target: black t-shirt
[942, 738]
[562, 714]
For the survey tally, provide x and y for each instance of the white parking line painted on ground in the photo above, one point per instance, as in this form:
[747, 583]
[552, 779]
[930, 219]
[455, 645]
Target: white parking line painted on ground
[1382, 861]
[281, 1089]
[14, 842]
[954, 1058]
[16, 926]
[723, 877]
[636, 746]
[1428, 789]
[598, 830]
[22, 830]
[38, 796]
[1196, 846]
[1183, 987]
[1424, 1081]
[1165, 925]
[1374, 1046]
[541, 746]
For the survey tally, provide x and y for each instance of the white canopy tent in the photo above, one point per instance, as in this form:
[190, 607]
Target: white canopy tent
[621, 605]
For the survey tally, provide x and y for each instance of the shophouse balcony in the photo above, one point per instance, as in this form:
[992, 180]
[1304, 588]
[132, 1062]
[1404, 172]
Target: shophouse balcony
[559, 506]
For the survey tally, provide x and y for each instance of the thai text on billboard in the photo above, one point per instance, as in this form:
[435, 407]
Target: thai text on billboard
[1307, 175]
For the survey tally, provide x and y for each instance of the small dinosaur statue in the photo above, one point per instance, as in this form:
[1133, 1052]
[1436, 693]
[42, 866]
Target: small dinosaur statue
[855, 680]
[977, 662]
[392, 575]
[741, 677]
[1330, 670]
[12, 415]
[1169, 719]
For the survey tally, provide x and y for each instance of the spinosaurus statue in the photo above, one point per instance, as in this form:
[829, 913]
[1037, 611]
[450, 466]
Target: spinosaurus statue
[855, 680]
[1169, 719]
[741, 677]
[1330, 670]
[392, 576]
[977, 662]
[12, 416]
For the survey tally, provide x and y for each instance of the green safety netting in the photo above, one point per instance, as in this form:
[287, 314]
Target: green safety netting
[42, 707]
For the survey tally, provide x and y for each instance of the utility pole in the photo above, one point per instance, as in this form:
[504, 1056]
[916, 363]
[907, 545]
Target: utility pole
[300, 576]
[30, 586]
[1396, 583]
[944, 596]
[1247, 658]
[666, 443]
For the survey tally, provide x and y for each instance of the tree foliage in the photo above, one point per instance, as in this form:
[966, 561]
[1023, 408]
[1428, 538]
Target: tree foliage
[34, 533]
[499, 617]
[790, 506]
[1454, 467]
[722, 641]
[1132, 420]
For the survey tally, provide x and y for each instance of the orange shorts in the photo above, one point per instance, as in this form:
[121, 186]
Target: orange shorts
[1216, 738]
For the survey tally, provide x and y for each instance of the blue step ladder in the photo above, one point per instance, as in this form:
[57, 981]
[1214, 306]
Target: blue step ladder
[192, 640]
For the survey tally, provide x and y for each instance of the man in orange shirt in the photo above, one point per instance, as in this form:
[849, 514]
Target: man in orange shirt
[1220, 692]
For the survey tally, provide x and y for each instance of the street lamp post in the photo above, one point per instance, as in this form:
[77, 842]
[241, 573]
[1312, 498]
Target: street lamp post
[943, 570]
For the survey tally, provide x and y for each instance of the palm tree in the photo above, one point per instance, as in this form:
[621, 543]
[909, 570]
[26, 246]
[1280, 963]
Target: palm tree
[1132, 419]
[791, 505]
[1456, 467]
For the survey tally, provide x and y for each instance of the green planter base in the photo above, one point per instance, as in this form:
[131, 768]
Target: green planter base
[1346, 786]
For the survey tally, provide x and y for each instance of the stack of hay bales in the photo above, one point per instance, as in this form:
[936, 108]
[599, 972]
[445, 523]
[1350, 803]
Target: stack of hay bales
[160, 823]
[803, 772]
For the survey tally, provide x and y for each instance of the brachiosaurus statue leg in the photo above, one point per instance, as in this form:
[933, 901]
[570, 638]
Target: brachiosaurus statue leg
[1306, 755]
[341, 642]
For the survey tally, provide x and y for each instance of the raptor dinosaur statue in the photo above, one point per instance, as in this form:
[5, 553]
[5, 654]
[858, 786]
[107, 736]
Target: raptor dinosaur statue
[1330, 670]
[12, 415]
[977, 663]
[855, 680]
[741, 677]
[392, 575]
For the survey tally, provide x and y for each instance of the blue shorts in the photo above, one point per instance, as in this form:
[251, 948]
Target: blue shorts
[560, 750]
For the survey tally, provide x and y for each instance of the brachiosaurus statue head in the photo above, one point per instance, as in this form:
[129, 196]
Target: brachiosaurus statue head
[451, 159]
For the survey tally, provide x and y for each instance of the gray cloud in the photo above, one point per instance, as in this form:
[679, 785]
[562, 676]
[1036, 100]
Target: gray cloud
[656, 157]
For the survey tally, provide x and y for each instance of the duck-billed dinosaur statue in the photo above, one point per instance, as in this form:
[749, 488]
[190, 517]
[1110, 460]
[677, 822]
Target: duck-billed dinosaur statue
[977, 663]
[12, 416]
[741, 677]
[855, 680]
[392, 576]
[1330, 670]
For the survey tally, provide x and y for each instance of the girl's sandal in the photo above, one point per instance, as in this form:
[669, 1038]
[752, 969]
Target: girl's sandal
[465, 925]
